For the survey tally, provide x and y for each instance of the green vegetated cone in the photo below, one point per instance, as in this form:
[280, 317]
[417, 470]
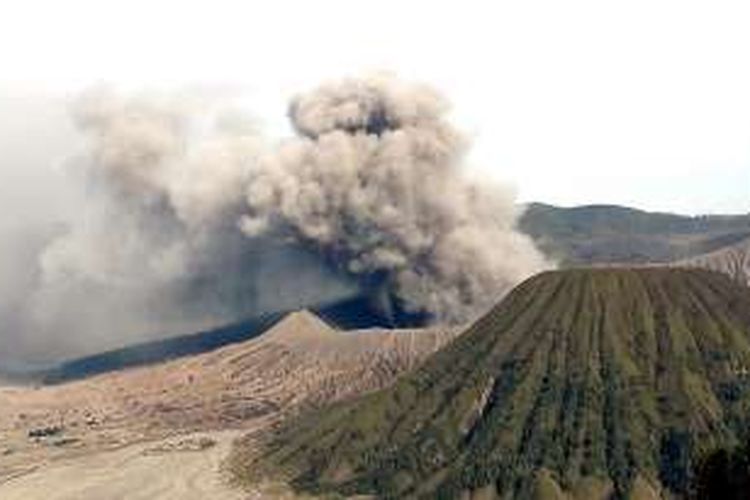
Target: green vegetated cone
[580, 384]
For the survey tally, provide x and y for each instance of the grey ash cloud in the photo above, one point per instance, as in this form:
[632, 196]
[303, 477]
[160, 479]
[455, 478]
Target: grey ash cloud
[192, 217]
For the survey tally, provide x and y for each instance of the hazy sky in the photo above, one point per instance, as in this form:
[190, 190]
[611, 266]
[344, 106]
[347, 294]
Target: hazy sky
[644, 103]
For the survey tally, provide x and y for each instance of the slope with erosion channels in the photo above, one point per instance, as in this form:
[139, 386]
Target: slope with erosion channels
[733, 260]
[585, 383]
[372, 309]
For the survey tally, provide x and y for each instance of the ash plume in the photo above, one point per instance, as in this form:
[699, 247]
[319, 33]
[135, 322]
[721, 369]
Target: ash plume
[154, 249]
[375, 184]
[190, 217]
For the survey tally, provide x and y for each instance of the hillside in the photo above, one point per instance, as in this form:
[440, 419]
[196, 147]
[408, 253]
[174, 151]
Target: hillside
[580, 384]
[603, 234]
[363, 311]
[300, 362]
[734, 261]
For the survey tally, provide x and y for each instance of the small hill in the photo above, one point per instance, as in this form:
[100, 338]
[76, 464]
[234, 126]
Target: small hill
[734, 261]
[605, 234]
[580, 384]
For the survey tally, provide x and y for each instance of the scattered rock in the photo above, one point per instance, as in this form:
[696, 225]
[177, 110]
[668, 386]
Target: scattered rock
[44, 432]
[65, 442]
[187, 444]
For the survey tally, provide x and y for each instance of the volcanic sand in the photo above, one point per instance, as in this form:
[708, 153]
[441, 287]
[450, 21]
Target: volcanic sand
[94, 432]
[136, 472]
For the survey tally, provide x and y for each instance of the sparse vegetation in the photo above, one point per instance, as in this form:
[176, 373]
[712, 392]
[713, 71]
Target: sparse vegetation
[609, 376]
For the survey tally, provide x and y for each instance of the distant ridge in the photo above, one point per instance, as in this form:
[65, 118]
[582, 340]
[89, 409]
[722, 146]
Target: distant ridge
[607, 234]
[592, 383]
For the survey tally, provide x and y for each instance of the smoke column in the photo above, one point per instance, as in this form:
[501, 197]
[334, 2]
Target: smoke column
[191, 217]
[155, 249]
[375, 184]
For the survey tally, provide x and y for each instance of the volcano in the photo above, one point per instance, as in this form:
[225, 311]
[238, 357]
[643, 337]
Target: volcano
[373, 309]
[592, 383]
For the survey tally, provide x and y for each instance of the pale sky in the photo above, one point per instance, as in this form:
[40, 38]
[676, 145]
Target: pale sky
[644, 103]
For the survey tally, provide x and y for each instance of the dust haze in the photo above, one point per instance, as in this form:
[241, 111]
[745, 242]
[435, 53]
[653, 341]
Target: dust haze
[188, 216]
[375, 183]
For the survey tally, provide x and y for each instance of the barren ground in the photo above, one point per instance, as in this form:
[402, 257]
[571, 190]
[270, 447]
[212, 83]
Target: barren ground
[71, 440]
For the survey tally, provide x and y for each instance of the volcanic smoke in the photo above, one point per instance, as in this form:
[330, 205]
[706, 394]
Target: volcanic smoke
[191, 217]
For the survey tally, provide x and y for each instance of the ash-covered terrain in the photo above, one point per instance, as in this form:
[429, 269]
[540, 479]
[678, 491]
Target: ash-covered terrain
[300, 363]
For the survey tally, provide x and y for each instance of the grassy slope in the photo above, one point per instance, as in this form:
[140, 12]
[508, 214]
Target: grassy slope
[606, 375]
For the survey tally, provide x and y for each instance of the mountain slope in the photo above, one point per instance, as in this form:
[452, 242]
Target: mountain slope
[588, 381]
[300, 362]
[364, 311]
[603, 234]
[734, 261]
[157, 351]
